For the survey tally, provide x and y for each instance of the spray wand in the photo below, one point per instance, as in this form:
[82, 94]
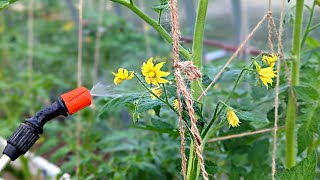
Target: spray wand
[28, 132]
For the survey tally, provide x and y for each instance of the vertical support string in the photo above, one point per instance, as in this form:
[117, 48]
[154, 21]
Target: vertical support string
[270, 43]
[175, 36]
[276, 101]
[79, 83]
[181, 88]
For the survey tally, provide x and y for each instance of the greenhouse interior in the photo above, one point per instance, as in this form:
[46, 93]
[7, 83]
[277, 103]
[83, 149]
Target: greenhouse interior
[160, 89]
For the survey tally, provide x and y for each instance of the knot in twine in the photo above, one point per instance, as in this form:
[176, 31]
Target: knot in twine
[189, 69]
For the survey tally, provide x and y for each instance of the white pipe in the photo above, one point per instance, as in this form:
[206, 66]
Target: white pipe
[4, 160]
[36, 164]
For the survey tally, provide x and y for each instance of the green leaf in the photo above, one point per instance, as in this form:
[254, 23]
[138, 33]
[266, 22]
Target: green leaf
[305, 170]
[159, 124]
[121, 147]
[151, 168]
[119, 101]
[160, 8]
[164, 5]
[310, 125]
[312, 42]
[5, 3]
[146, 103]
[306, 93]
[258, 153]
[157, 110]
[211, 167]
[198, 110]
[251, 116]
[305, 137]
[60, 153]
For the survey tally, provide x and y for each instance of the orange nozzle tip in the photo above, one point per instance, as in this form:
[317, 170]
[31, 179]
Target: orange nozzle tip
[77, 99]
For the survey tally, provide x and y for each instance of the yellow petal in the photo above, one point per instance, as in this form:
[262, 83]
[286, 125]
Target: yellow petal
[120, 70]
[162, 74]
[161, 80]
[148, 80]
[125, 74]
[154, 82]
[264, 59]
[117, 81]
[176, 104]
[158, 66]
[150, 63]
[233, 119]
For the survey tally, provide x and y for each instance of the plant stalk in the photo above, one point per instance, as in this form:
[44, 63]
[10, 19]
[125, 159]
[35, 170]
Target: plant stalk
[196, 86]
[191, 160]
[198, 44]
[295, 72]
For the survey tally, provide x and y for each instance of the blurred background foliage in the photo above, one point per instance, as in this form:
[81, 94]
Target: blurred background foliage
[111, 144]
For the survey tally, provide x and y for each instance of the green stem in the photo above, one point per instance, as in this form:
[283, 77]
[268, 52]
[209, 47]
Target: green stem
[290, 128]
[165, 93]
[314, 27]
[159, 18]
[197, 61]
[138, 101]
[154, 24]
[214, 129]
[295, 72]
[240, 77]
[308, 30]
[197, 44]
[190, 170]
[211, 123]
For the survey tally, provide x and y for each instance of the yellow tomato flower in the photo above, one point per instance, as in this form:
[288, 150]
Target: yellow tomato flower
[122, 74]
[153, 74]
[67, 26]
[1, 29]
[156, 91]
[265, 74]
[233, 119]
[270, 59]
[176, 104]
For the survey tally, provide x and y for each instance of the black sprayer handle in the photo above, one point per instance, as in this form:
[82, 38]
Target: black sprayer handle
[27, 133]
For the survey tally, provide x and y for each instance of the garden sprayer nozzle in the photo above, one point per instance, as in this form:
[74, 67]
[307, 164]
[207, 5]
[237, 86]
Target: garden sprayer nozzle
[28, 132]
[77, 99]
